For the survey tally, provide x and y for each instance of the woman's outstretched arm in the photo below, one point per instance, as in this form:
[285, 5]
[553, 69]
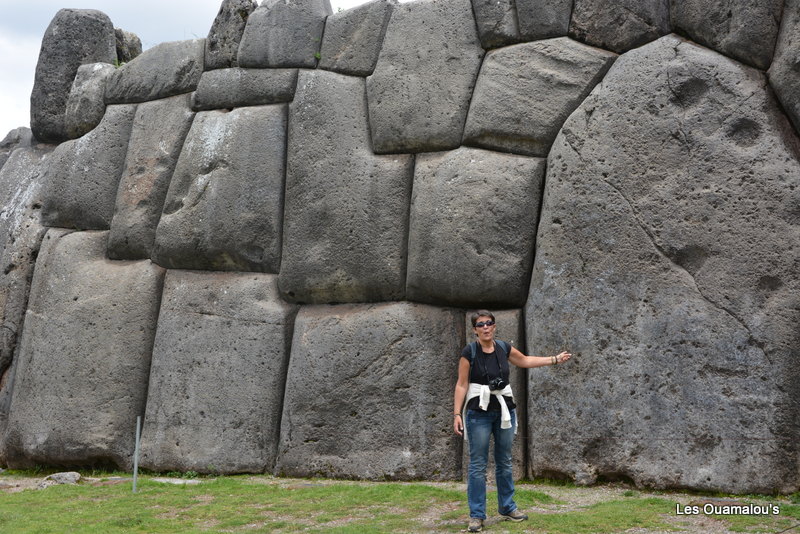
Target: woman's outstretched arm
[529, 362]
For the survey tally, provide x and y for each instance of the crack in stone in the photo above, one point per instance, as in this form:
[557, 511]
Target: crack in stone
[754, 341]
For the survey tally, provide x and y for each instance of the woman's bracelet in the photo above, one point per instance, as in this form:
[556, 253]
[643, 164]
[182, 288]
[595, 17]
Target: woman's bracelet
[458, 414]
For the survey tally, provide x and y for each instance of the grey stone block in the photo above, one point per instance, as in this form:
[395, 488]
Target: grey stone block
[743, 29]
[525, 93]
[368, 393]
[666, 262]
[353, 38]
[497, 22]
[21, 137]
[158, 132]
[222, 43]
[129, 46]
[346, 212]
[167, 69]
[420, 91]
[82, 176]
[21, 231]
[784, 75]
[284, 33]
[473, 226]
[543, 19]
[74, 37]
[619, 25]
[84, 357]
[224, 205]
[509, 329]
[218, 373]
[86, 103]
[235, 87]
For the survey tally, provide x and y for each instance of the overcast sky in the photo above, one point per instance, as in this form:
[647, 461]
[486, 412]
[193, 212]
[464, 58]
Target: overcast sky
[23, 22]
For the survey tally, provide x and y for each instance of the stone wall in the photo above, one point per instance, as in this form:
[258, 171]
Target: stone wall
[267, 242]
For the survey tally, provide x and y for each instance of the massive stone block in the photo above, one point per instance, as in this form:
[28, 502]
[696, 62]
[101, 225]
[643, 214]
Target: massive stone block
[167, 69]
[224, 205]
[543, 19]
[346, 213]
[83, 174]
[21, 137]
[619, 25]
[222, 43]
[742, 29]
[420, 91]
[667, 263]
[21, 231]
[497, 22]
[74, 37]
[86, 103]
[231, 88]
[284, 34]
[525, 93]
[510, 329]
[368, 393]
[217, 375]
[84, 357]
[159, 129]
[784, 75]
[353, 38]
[473, 223]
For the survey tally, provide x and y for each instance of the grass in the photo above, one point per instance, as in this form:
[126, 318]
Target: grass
[268, 504]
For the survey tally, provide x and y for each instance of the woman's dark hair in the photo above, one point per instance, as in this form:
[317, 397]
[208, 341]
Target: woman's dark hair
[480, 313]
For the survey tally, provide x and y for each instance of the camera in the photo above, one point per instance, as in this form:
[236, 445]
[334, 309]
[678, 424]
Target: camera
[497, 383]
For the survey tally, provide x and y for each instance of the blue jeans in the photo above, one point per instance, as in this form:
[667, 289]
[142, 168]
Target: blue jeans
[480, 426]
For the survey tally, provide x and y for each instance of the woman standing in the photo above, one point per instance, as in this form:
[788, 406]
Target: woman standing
[483, 381]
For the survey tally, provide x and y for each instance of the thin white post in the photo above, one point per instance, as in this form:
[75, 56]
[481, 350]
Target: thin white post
[136, 451]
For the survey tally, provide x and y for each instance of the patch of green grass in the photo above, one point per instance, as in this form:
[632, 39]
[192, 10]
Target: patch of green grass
[266, 504]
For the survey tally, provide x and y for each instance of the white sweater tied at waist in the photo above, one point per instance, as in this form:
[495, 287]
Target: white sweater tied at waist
[483, 392]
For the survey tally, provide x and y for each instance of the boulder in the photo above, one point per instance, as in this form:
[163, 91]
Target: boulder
[619, 25]
[82, 176]
[543, 19]
[509, 329]
[346, 211]
[74, 37]
[21, 137]
[472, 230]
[159, 129]
[784, 73]
[235, 87]
[667, 263]
[420, 91]
[21, 232]
[283, 33]
[525, 93]
[86, 104]
[497, 22]
[167, 69]
[745, 29]
[353, 38]
[84, 356]
[224, 206]
[129, 46]
[222, 43]
[218, 373]
[369, 392]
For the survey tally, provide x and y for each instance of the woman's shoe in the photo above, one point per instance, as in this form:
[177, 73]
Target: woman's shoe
[475, 524]
[515, 516]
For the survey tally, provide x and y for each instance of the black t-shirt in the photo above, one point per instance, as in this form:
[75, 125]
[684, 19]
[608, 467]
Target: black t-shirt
[485, 365]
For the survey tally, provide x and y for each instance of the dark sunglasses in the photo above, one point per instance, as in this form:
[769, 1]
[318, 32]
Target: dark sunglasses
[484, 323]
